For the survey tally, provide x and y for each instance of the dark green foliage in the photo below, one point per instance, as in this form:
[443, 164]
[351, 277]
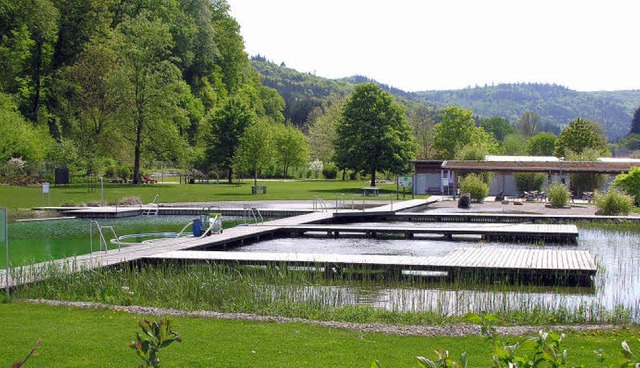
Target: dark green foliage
[227, 126]
[330, 171]
[497, 126]
[155, 336]
[373, 134]
[630, 183]
[542, 144]
[527, 182]
[635, 122]
[580, 135]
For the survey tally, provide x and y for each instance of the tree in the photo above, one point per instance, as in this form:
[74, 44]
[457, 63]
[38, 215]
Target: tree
[423, 119]
[528, 124]
[255, 151]
[513, 144]
[151, 85]
[630, 183]
[322, 129]
[635, 122]
[19, 138]
[228, 124]
[456, 130]
[373, 133]
[290, 146]
[579, 135]
[541, 144]
[497, 126]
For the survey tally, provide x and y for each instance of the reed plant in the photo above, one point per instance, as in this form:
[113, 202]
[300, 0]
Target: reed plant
[307, 294]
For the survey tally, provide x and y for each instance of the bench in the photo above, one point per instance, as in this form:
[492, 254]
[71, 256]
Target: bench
[256, 188]
[370, 191]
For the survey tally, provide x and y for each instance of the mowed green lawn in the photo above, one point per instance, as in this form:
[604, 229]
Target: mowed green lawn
[74, 337]
[27, 197]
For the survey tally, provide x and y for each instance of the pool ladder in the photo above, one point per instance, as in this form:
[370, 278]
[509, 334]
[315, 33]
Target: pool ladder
[153, 209]
[249, 212]
[319, 204]
[103, 242]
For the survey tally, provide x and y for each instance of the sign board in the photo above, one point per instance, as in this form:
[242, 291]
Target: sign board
[45, 188]
[405, 181]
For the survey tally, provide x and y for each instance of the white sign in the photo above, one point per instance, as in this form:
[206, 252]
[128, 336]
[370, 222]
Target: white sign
[45, 188]
[405, 181]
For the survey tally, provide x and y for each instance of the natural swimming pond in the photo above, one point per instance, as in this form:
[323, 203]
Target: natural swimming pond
[616, 288]
[616, 285]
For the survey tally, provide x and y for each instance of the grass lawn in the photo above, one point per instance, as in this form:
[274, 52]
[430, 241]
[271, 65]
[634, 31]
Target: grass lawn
[27, 197]
[98, 338]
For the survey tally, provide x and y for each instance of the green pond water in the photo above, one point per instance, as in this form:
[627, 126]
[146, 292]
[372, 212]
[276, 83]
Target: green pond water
[37, 241]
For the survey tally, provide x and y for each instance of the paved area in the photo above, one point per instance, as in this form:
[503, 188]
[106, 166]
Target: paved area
[580, 208]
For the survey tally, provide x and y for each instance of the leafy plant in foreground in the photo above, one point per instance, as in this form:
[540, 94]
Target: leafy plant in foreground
[156, 335]
[31, 353]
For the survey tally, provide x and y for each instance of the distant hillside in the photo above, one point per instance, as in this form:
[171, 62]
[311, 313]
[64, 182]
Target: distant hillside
[556, 105]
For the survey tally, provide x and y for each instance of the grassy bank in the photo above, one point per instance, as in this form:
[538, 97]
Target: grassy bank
[27, 197]
[98, 338]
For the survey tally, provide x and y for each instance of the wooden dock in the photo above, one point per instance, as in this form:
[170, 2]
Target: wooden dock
[498, 232]
[524, 264]
[504, 263]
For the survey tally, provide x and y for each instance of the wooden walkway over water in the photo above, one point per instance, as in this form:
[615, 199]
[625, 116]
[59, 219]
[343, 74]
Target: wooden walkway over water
[238, 235]
[536, 264]
[500, 232]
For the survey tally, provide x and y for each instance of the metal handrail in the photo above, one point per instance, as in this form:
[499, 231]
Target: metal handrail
[102, 238]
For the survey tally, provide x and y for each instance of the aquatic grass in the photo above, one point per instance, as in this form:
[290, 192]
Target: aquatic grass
[278, 291]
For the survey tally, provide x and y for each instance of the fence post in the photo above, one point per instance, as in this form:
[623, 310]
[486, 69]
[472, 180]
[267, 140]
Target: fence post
[5, 230]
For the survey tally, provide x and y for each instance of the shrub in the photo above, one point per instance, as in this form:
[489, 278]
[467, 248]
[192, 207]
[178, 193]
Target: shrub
[558, 195]
[613, 202]
[475, 186]
[528, 182]
[330, 172]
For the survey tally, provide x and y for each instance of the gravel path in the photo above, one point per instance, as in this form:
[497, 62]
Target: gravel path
[404, 330]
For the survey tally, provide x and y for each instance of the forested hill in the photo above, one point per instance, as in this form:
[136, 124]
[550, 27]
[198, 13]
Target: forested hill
[556, 105]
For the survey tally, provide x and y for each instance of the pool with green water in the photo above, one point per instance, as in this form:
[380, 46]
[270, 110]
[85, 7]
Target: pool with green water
[37, 241]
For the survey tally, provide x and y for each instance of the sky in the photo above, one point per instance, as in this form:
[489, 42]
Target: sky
[419, 45]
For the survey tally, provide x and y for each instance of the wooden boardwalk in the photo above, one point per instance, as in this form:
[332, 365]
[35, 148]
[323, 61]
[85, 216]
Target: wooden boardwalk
[153, 250]
[499, 261]
[510, 232]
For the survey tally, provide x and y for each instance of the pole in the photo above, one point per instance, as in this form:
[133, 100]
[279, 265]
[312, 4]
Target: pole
[6, 248]
[101, 191]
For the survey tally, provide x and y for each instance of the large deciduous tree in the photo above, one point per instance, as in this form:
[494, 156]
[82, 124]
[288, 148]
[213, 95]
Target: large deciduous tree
[255, 151]
[457, 129]
[541, 144]
[228, 124]
[322, 125]
[579, 135]
[151, 85]
[528, 124]
[497, 126]
[291, 147]
[373, 134]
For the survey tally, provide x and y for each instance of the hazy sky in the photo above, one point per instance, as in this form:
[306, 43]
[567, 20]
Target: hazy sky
[450, 44]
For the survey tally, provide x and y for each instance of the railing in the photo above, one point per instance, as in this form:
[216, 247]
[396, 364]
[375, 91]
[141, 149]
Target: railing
[102, 240]
[319, 205]
[155, 207]
[249, 212]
